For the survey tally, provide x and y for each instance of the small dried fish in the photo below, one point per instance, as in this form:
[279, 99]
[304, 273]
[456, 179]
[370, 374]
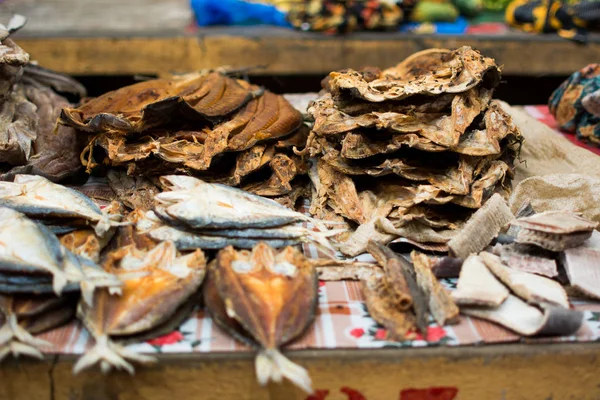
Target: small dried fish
[441, 306]
[267, 299]
[481, 228]
[155, 284]
[198, 204]
[477, 286]
[554, 230]
[37, 197]
[530, 287]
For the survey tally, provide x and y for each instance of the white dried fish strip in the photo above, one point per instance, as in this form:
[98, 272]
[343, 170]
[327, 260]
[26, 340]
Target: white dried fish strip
[552, 241]
[528, 320]
[558, 222]
[583, 270]
[532, 288]
[481, 228]
[353, 273]
[477, 286]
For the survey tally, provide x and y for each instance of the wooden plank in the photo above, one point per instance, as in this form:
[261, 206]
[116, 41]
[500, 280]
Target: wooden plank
[286, 52]
[516, 371]
[26, 379]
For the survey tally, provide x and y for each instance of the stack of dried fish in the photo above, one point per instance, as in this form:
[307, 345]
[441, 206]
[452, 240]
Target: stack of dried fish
[427, 130]
[195, 214]
[402, 298]
[29, 107]
[205, 124]
[265, 299]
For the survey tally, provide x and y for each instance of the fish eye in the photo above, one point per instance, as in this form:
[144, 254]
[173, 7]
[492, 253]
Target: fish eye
[285, 268]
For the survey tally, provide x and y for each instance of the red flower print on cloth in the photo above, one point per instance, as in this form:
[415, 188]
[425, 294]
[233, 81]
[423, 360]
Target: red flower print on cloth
[352, 394]
[319, 394]
[433, 393]
[169, 338]
[357, 332]
[321, 283]
[434, 334]
[380, 334]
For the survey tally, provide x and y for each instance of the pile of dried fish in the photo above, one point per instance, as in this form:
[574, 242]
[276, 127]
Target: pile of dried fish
[29, 107]
[205, 124]
[402, 298]
[195, 214]
[422, 144]
[266, 299]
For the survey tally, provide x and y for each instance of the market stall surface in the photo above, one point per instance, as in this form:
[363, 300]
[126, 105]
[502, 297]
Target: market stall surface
[345, 352]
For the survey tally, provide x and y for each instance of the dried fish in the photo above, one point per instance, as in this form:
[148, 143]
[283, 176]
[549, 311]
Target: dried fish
[152, 103]
[155, 284]
[395, 276]
[481, 228]
[18, 127]
[442, 307]
[205, 205]
[530, 287]
[583, 270]
[39, 198]
[477, 286]
[135, 192]
[554, 230]
[522, 257]
[382, 305]
[268, 297]
[360, 272]
[527, 320]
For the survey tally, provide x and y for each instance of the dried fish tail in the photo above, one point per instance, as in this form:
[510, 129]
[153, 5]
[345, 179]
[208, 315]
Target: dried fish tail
[271, 365]
[110, 355]
[16, 340]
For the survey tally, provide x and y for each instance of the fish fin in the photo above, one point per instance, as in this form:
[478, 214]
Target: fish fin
[17, 349]
[17, 333]
[110, 355]
[271, 365]
[87, 292]
[59, 281]
[115, 291]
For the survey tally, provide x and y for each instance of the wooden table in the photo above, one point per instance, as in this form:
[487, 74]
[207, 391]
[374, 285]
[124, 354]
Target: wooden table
[116, 37]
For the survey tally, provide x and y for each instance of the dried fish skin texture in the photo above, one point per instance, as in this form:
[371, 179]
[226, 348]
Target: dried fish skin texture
[382, 306]
[477, 286]
[462, 70]
[148, 104]
[556, 222]
[272, 294]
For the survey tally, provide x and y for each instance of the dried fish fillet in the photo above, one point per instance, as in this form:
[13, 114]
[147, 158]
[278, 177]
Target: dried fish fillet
[481, 228]
[38, 197]
[134, 192]
[152, 103]
[517, 258]
[398, 286]
[348, 272]
[530, 287]
[461, 70]
[18, 128]
[271, 298]
[442, 307]
[155, 284]
[527, 320]
[477, 286]
[583, 270]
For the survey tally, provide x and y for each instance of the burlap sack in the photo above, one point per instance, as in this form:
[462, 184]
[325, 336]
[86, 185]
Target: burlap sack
[556, 174]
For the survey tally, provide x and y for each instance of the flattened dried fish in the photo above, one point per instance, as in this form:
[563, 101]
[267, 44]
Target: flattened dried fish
[39, 198]
[530, 287]
[270, 298]
[442, 307]
[477, 286]
[151, 103]
[522, 258]
[583, 270]
[18, 128]
[205, 205]
[155, 284]
[135, 192]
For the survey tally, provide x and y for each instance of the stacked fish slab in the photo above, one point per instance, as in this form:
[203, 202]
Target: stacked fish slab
[421, 145]
[205, 124]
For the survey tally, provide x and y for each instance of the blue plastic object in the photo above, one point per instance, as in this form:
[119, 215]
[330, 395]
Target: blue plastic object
[443, 28]
[237, 12]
